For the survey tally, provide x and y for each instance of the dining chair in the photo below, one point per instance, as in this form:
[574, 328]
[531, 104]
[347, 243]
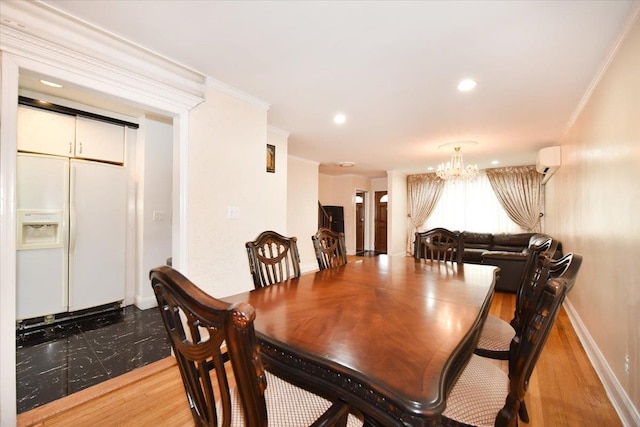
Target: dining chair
[273, 258]
[484, 395]
[205, 333]
[497, 334]
[439, 244]
[330, 248]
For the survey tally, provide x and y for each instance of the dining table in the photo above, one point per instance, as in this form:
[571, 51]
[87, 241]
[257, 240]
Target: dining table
[388, 335]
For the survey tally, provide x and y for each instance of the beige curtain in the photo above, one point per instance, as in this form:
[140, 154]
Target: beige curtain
[424, 191]
[519, 191]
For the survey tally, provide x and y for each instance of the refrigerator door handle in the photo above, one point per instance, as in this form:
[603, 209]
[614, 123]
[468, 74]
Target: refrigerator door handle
[72, 210]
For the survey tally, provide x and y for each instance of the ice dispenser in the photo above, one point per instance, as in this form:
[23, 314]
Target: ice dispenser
[39, 229]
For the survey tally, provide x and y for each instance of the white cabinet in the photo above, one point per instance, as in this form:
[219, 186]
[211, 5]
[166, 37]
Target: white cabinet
[46, 132]
[97, 140]
[41, 131]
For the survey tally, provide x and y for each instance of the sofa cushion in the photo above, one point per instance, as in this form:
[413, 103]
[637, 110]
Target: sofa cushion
[511, 242]
[477, 240]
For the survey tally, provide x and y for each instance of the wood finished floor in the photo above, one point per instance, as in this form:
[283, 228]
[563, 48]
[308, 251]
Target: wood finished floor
[564, 391]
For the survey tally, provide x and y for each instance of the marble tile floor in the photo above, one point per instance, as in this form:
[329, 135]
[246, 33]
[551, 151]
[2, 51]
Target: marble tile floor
[86, 353]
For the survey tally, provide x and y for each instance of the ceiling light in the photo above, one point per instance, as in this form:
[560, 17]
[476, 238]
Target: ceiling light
[48, 83]
[339, 119]
[455, 169]
[466, 85]
[495, 162]
[346, 164]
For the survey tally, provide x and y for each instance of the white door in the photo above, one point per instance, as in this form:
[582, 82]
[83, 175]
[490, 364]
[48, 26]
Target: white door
[97, 237]
[41, 260]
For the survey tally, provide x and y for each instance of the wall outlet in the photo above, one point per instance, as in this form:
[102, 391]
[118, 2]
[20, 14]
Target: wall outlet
[158, 215]
[627, 363]
[233, 212]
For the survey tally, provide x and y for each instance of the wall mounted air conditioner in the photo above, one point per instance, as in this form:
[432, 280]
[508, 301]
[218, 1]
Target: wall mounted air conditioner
[549, 161]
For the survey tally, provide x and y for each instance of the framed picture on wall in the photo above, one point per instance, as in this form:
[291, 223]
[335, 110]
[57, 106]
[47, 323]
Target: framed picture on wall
[271, 158]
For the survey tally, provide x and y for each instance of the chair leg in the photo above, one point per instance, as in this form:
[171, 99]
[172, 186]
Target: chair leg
[522, 412]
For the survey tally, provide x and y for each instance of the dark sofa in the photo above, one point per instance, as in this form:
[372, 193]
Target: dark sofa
[507, 251]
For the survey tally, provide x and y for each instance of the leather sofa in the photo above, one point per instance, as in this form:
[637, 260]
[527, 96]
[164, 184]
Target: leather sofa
[507, 251]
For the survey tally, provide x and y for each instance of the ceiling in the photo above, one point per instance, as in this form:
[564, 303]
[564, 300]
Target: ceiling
[391, 67]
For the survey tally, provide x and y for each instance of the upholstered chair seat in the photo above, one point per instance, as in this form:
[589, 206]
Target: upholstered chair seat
[479, 394]
[287, 406]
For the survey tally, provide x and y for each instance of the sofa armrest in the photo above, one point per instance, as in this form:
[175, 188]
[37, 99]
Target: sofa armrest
[512, 265]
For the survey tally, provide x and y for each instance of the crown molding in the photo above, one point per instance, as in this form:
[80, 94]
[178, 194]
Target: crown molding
[278, 131]
[37, 32]
[237, 93]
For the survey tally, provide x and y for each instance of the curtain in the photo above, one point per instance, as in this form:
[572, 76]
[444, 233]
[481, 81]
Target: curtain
[519, 190]
[471, 206]
[424, 191]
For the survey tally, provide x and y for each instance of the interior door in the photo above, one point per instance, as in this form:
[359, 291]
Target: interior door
[360, 221]
[381, 221]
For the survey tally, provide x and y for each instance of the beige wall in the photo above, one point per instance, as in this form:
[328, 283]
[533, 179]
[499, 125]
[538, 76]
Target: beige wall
[340, 190]
[276, 215]
[227, 168]
[593, 207]
[302, 207]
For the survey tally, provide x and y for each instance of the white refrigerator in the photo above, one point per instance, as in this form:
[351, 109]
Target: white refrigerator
[71, 235]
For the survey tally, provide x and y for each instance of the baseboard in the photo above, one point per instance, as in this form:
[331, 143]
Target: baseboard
[627, 412]
[145, 303]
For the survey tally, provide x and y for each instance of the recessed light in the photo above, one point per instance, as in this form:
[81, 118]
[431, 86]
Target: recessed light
[466, 85]
[495, 162]
[339, 119]
[346, 164]
[52, 84]
[430, 168]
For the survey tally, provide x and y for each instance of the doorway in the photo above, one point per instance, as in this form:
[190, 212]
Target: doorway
[360, 220]
[380, 235]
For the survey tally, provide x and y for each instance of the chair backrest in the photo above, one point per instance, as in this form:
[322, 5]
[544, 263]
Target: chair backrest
[539, 245]
[566, 267]
[439, 244]
[330, 248]
[526, 348]
[273, 258]
[198, 325]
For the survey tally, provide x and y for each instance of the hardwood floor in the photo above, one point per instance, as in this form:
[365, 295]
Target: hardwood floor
[564, 391]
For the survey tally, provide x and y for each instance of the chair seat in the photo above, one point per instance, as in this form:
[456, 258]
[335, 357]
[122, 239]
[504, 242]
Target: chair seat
[478, 394]
[495, 338]
[287, 405]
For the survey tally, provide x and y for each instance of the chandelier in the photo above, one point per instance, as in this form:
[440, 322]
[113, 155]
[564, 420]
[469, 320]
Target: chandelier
[455, 169]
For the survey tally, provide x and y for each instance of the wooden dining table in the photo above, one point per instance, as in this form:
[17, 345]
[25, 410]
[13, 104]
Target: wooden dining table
[388, 335]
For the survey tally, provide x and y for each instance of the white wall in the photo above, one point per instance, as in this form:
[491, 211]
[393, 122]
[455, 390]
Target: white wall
[592, 207]
[154, 191]
[227, 168]
[302, 207]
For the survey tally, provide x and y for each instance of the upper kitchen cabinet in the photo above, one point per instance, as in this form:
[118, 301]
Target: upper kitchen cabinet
[97, 140]
[47, 132]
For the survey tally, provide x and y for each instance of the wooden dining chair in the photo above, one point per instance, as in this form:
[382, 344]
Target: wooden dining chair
[330, 248]
[439, 244]
[496, 331]
[205, 333]
[497, 334]
[273, 258]
[483, 394]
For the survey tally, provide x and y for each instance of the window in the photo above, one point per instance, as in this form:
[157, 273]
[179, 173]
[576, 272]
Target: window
[471, 206]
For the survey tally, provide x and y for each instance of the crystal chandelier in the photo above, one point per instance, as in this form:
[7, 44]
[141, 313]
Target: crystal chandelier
[455, 169]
